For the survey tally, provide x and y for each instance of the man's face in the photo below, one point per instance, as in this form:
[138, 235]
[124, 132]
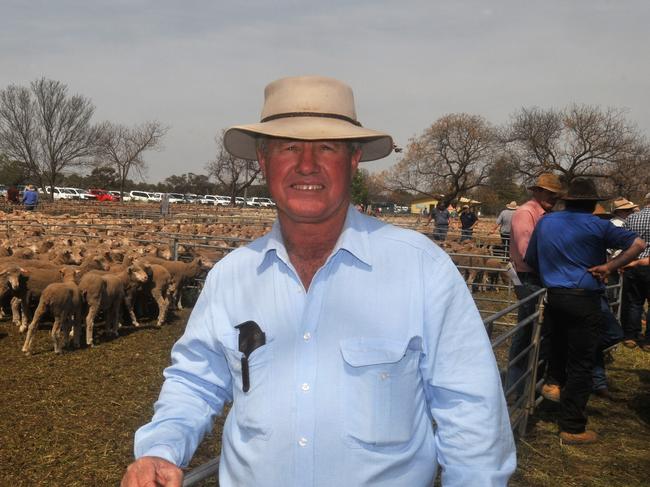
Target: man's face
[309, 180]
[545, 198]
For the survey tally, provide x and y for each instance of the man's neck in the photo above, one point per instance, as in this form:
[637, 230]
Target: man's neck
[310, 244]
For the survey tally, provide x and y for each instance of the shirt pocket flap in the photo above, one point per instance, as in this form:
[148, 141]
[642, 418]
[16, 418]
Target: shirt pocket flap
[362, 351]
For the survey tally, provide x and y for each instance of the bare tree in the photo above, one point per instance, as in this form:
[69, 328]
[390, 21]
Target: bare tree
[45, 129]
[122, 147]
[581, 140]
[450, 158]
[233, 173]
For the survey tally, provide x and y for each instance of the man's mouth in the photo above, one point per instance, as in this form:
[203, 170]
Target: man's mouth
[307, 187]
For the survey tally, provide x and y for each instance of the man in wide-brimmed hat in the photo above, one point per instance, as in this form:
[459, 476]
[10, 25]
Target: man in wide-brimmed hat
[568, 250]
[336, 336]
[636, 282]
[545, 192]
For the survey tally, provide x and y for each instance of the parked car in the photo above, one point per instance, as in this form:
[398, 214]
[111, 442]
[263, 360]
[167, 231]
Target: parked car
[261, 202]
[60, 193]
[124, 197]
[240, 201]
[208, 199]
[139, 196]
[176, 198]
[103, 195]
[80, 194]
[223, 200]
[192, 198]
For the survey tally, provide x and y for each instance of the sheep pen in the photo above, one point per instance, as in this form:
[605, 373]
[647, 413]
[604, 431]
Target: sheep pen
[69, 419]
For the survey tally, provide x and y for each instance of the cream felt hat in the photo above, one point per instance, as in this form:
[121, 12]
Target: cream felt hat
[512, 205]
[624, 204]
[308, 108]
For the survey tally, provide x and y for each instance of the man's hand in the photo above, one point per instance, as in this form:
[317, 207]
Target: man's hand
[600, 272]
[152, 472]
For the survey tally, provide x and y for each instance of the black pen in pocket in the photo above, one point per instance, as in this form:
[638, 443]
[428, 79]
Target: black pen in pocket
[251, 337]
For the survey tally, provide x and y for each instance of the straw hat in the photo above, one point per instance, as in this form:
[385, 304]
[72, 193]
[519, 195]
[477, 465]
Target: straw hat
[512, 205]
[583, 189]
[601, 211]
[623, 204]
[549, 182]
[308, 108]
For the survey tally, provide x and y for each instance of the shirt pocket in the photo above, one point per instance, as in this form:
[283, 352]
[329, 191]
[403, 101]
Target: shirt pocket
[379, 390]
[251, 408]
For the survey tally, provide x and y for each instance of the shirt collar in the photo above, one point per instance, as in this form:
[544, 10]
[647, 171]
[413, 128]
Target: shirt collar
[353, 240]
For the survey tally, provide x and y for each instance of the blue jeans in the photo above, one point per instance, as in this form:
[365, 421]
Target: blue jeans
[440, 233]
[611, 334]
[530, 283]
[465, 234]
[636, 290]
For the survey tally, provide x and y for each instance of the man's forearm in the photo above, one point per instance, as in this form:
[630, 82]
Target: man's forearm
[627, 255]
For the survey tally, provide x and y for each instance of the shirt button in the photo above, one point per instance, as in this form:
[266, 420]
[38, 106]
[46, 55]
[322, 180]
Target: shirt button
[302, 441]
[305, 387]
[306, 336]
[384, 375]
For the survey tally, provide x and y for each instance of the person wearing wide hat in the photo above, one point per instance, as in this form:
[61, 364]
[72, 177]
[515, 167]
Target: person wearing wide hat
[545, 192]
[636, 283]
[336, 336]
[568, 250]
[504, 225]
[622, 208]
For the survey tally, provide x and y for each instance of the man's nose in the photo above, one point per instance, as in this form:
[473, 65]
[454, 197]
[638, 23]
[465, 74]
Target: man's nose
[307, 164]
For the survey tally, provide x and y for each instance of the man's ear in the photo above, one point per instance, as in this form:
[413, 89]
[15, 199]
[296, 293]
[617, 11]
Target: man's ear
[354, 162]
[262, 161]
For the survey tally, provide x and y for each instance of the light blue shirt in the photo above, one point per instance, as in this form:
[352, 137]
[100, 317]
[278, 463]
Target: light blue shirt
[354, 371]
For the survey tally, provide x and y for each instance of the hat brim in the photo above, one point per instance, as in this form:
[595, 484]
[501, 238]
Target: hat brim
[240, 140]
[547, 188]
[626, 207]
[594, 197]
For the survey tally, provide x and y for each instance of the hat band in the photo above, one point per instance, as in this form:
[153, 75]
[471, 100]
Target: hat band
[310, 114]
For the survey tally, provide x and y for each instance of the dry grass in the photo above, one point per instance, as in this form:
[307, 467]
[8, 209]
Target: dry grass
[69, 420]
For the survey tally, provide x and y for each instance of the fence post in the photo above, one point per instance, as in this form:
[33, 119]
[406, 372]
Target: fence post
[174, 248]
[533, 361]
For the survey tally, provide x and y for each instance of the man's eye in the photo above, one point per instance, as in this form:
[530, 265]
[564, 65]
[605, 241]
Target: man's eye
[291, 148]
[326, 147]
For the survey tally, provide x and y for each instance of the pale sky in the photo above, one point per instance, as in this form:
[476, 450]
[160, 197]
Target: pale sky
[201, 66]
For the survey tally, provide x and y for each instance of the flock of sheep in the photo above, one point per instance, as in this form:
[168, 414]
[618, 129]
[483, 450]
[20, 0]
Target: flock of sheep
[78, 280]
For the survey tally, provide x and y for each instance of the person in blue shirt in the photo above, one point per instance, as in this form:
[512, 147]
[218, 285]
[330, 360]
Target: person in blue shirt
[568, 249]
[30, 198]
[367, 333]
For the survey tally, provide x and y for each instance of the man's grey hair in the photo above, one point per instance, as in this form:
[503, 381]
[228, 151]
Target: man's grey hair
[262, 145]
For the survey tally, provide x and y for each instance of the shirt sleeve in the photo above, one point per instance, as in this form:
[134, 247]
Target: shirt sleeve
[474, 440]
[523, 225]
[197, 385]
[531, 257]
[618, 237]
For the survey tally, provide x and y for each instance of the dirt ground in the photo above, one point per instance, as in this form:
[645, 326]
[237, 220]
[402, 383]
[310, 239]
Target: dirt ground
[69, 420]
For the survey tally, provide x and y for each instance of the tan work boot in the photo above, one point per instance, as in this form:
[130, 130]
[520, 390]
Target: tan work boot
[551, 392]
[584, 438]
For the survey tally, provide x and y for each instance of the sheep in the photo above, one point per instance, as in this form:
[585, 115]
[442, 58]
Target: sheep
[182, 273]
[104, 290]
[63, 299]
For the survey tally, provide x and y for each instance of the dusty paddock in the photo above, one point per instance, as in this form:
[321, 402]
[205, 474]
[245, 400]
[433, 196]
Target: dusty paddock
[69, 420]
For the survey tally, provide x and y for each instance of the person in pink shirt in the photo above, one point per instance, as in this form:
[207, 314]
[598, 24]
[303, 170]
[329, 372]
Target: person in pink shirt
[545, 193]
